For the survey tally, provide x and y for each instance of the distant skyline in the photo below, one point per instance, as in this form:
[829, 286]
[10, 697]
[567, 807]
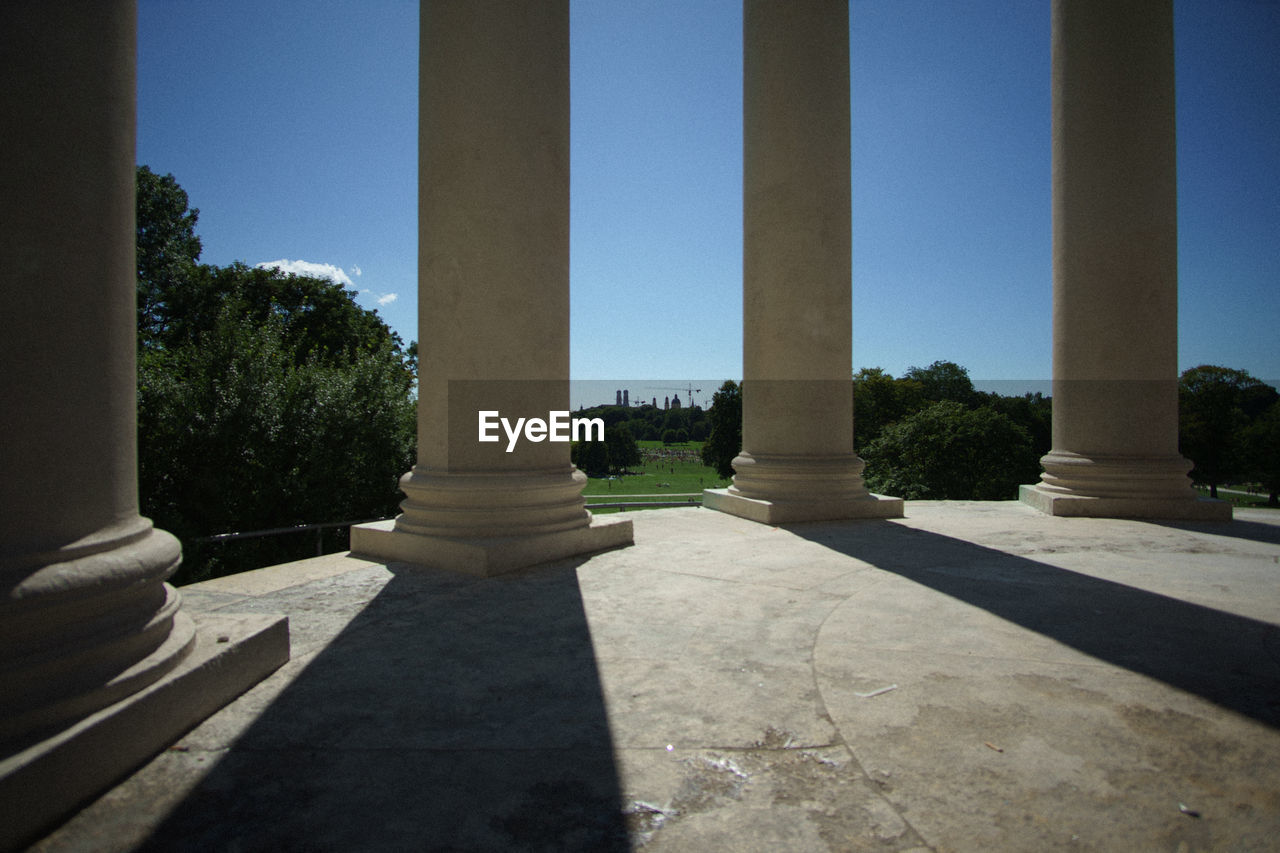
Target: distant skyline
[293, 128]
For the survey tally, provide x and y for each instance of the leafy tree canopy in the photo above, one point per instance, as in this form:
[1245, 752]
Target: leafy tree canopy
[879, 400]
[264, 399]
[725, 440]
[1216, 405]
[168, 247]
[623, 450]
[943, 380]
[591, 457]
[948, 452]
[1262, 449]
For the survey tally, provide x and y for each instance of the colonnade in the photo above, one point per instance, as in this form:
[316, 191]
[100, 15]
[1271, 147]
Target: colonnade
[88, 627]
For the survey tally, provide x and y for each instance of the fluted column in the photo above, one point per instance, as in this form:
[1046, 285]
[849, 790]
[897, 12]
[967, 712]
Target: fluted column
[493, 296]
[1115, 268]
[797, 461]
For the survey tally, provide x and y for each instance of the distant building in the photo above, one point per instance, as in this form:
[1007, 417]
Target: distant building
[618, 398]
[675, 402]
[626, 401]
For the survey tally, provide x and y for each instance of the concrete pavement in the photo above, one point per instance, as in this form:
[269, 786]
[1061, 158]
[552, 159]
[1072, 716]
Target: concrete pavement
[972, 676]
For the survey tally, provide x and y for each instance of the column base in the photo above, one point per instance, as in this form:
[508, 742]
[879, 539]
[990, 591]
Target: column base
[1084, 506]
[801, 509]
[486, 556]
[48, 780]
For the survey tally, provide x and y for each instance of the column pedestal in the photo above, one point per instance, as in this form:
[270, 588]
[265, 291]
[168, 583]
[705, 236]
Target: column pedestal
[487, 523]
[784, 489]
[1120, 487]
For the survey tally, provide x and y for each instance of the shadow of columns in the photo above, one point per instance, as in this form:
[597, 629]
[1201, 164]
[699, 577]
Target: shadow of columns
[1231, 660]
[451, 713]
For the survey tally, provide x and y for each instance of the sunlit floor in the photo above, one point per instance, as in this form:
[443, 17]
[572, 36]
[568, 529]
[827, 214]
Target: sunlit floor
[974, 676]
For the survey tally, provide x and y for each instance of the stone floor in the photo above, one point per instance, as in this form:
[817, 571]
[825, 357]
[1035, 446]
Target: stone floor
[975, 676]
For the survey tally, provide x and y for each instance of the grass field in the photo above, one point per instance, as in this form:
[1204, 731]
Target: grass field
[1237, 498]
[664, 473]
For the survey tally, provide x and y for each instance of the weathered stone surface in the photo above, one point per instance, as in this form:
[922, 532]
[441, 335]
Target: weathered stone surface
[1056, 683]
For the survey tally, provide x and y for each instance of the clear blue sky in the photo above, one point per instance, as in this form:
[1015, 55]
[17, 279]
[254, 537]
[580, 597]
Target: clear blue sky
[293, 127]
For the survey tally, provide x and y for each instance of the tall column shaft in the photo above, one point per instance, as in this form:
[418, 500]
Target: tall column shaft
[85, 615]
[1115, 275]
[797, 431]
[493, 294]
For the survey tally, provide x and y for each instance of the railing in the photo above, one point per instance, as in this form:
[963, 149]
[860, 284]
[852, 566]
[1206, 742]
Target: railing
[694, 499]
[280, 531]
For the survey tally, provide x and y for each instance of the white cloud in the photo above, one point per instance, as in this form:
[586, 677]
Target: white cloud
[329, 271]
[333, 273]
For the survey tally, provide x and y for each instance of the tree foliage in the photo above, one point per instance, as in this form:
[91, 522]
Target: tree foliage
[922, 435]
[880, 400]
[949, 452]
[725, 439]
[1262, 450]
[617, 452]
[943, 380]
[623, 450]
[1216, 406]
[168, 247]
[591, 457]
[264, 399]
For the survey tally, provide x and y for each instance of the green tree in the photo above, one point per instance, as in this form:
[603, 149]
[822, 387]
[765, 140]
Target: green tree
[264, 400]
[1215, 407]
[1262, 451]
[591, 457]
[725, 439]
[1032, 412]
[949, 452]
[622, 448]
[168, 247]
[879, 400]
[944, 380]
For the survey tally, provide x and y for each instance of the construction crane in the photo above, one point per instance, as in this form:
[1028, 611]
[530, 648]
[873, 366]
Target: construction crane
[689, 391]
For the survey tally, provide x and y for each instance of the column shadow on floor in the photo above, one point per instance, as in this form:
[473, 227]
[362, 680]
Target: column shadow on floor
[1254, 531]
[451, 713]
[1231, 660]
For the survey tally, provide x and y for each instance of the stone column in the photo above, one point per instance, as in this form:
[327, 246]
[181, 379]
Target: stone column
[1115, 269]
[797, 461]
[493, 296]
[83, 573]
[97, 660]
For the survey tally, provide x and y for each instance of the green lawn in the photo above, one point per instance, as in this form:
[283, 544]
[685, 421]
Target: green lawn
[1236, 499]
[665, 472]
